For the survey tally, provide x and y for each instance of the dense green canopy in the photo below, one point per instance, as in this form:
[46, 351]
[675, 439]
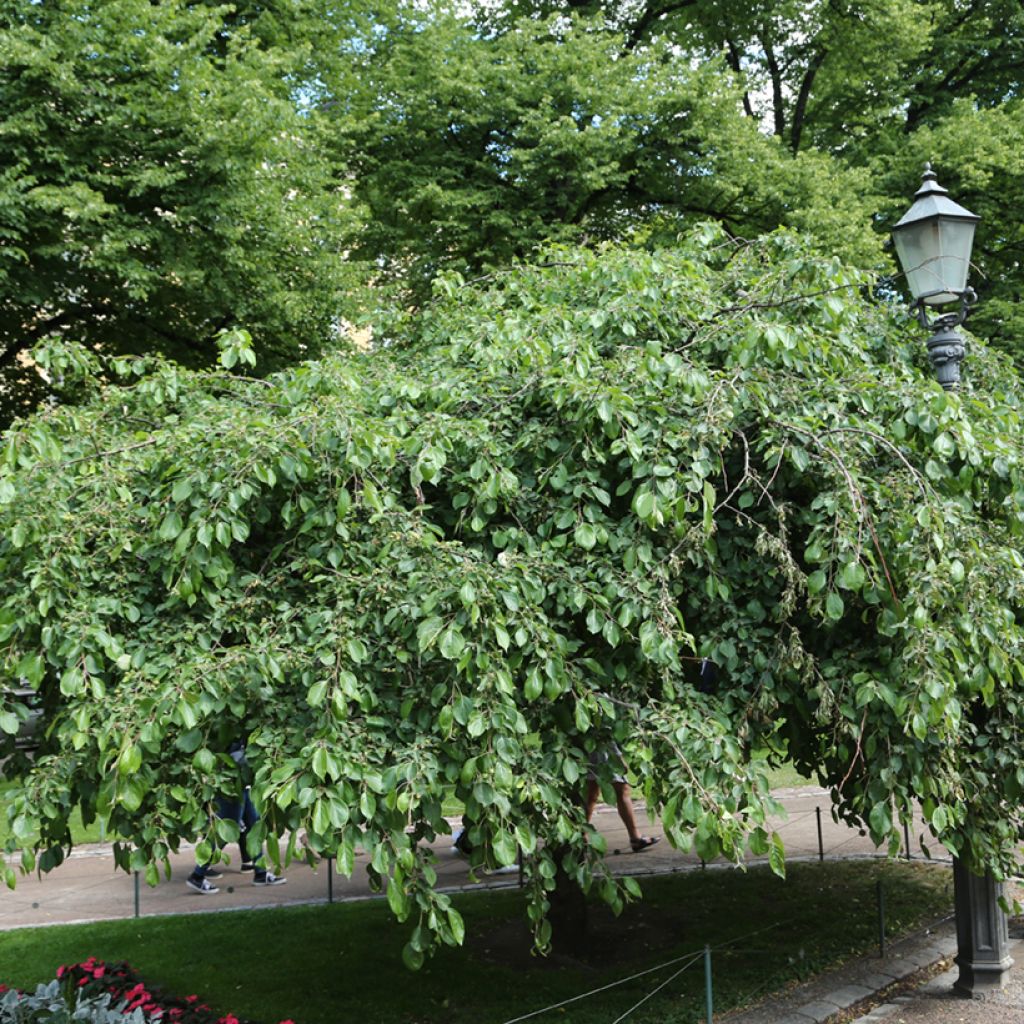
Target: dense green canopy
[171, 170]
[501, 541]
[159, 183]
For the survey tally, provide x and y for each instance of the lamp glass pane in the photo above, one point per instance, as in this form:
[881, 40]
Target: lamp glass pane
[935, 255]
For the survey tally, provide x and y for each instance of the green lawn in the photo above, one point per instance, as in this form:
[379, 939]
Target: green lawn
[80, 833]
[787, 777]
[321, 965]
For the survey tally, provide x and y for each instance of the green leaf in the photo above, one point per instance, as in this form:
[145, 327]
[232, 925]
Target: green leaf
[505, 850]
[777, 855]
[428, 631]
[412, 957]
[816, 581]
[71, 683]
[586, 537]
[130, 760]
[851, 576]
[452, 643]
[534, 685]
[171, 526]
[834, 606]
[880, 818]
[398, 900]
[643, 504]
[457, 926]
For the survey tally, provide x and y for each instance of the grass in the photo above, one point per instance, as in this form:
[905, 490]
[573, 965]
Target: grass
[80, 833]
[319, 965]
[787, 777]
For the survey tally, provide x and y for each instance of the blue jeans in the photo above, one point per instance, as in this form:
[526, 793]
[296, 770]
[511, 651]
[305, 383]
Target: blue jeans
[242, 810]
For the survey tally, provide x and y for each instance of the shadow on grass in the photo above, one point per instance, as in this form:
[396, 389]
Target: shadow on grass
[324, 964]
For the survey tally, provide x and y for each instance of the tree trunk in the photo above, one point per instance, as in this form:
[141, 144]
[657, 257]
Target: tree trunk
[568, 914]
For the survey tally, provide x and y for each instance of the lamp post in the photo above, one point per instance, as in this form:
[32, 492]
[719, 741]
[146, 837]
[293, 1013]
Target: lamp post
[933, 242]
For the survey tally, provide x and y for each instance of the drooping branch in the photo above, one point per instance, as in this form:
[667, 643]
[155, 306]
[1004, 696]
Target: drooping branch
[653, 13]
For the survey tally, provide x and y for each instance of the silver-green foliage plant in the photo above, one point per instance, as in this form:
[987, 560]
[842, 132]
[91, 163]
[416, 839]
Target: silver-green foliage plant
[463, 562]
[53, 1003]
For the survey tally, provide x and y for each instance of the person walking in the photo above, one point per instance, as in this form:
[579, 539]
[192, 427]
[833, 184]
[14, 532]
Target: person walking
[243, 811]
[623, 796]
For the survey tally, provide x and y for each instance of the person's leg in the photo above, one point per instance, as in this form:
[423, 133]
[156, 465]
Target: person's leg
[624, 802]
[593, 792]
[199, 879]
[249, 817]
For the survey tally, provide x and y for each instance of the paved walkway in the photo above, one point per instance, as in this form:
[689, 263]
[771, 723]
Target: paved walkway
[868, 991]
[911, 984]
[88, 888]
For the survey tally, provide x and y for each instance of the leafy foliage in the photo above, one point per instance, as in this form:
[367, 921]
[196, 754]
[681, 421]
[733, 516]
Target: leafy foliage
[158, 183]
[56, 1003]
[548, 131]
[500, 543]
[881, 86]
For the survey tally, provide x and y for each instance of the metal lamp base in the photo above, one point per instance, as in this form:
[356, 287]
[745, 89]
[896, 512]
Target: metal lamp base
[946, 350]
[982, 933]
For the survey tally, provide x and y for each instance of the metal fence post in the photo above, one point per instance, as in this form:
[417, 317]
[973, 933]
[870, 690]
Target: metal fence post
[708, 1001]
[136, 894]
[821, 840]
[880, 891]
[330, 879]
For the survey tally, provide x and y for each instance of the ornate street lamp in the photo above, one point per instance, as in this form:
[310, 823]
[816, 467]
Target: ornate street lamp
[933, 242]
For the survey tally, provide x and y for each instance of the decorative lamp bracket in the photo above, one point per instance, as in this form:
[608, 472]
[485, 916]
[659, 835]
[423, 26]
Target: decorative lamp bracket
[946, 348]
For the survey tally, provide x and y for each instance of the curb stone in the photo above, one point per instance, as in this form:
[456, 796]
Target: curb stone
[826, 997]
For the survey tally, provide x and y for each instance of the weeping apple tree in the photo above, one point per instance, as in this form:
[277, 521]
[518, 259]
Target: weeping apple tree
[502, 540]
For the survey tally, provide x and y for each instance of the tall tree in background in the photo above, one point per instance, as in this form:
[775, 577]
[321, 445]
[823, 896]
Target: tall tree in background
[881, 86]
[472, 148]
[159, 182]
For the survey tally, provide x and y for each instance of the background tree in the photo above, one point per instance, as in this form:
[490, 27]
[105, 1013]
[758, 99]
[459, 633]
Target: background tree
[468, 560]
[471, 150]
[159, 182]
[880, 86]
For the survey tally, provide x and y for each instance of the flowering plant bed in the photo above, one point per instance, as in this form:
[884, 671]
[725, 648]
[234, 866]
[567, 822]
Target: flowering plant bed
[127, 992]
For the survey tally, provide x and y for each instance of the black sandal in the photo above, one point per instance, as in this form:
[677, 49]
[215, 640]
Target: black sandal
[642, 843]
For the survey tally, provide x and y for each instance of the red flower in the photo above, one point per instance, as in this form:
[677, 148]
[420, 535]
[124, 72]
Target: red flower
[229, 1019]
[60, 971]
[191, 999]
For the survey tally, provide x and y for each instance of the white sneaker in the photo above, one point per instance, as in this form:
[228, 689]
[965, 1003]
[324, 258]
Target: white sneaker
[269, 879]
[201, 885]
